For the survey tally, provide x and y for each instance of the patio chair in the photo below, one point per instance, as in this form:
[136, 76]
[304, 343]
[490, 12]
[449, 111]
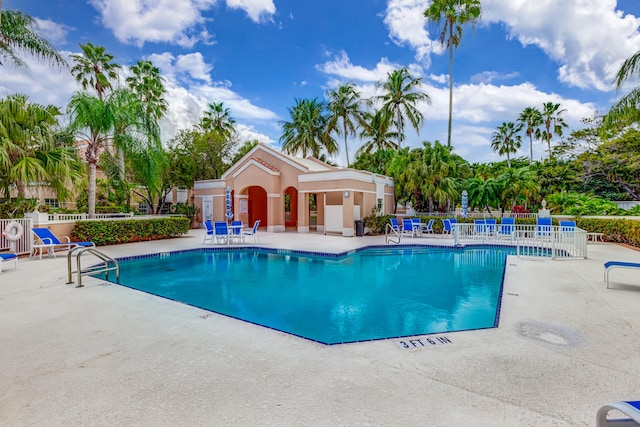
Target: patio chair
[490, 226]
[221, 232]
[7, 258]
[395, 226]
[480, 226]
[567, 225]
[446, 226]
[428, 228]
[208, 237]
[543, 227]
[45, 239]
[507, 227]
[253, 231]
[408, 228]
[235, 231]
[418, 226]
[629, 408]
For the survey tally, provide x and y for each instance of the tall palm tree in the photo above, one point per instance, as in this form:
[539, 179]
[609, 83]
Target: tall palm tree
[376, 132]
[627, 109]
[31, 147]
[147, 83]
[553, 123]
[531, 119]
[452, 15]
[401, 94]
[18, 32]
[95, 68]
[306, 132]
[344, 112]
[218, 118]
[506, 140]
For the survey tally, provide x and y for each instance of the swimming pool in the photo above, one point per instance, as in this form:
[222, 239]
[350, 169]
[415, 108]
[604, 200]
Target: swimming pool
[369, 294]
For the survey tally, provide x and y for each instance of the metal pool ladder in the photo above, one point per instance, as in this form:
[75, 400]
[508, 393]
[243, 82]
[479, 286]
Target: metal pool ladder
[108, 264]
[391, 234]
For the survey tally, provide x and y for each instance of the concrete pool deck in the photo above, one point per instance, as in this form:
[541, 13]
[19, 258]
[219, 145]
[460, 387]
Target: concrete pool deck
[108, 355]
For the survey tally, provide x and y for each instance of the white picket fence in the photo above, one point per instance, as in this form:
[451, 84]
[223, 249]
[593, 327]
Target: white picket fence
[23, 244]
[530, 240]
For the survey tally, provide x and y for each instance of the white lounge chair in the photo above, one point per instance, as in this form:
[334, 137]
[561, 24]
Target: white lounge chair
[208, 236]
[630, 408]
[608, 266]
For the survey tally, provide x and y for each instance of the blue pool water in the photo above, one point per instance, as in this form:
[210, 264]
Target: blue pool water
[372, 294]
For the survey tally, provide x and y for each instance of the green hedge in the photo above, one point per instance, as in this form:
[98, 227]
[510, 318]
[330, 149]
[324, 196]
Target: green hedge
[131, 230]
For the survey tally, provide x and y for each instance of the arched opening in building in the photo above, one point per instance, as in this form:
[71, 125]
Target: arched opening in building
[257, 205]
[291, 209]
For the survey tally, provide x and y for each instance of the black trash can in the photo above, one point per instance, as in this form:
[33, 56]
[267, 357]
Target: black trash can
[359, 227]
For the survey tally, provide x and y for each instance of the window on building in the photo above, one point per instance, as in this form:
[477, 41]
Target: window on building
[52, 203]
[143, 208]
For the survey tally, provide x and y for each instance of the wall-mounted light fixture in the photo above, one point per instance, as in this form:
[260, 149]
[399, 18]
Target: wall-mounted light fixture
[346, 194]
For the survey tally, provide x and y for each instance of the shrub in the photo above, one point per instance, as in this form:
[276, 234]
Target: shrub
[133, 230]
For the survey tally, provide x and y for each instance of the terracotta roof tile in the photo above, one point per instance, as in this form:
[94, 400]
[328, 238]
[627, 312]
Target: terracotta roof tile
[265, 164]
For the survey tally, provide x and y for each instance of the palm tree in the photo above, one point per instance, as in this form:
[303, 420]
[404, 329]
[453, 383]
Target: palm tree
[218, 118]
[147, 83]
[18, 32]
[32, 149]
[483, 192]
[376, 132]
[94, 68]
[401, 94]
[306, 132]
[92, 121]
[552, 122]
[626, 110]
[531, 119]
[344, 112]
[506, 140]
[518, 184]
[452, 15]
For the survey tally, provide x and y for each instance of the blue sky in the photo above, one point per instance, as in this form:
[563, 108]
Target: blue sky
[257, 56]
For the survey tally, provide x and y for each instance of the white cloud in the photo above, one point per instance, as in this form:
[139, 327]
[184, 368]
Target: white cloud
[341, 66]
[257, 10]
[249, 133]
[177, 22]
[406, 24]
[53, 32]
[183, 67]
[589, 39]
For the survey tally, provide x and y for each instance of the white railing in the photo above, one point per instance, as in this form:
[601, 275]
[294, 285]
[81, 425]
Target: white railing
[23, 244]
[530, 240]
[76, 217]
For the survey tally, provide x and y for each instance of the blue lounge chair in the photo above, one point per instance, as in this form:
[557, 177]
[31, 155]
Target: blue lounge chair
[507, 227]
[7, 258]
[490, 224]
[45, 239]
[395, 226]
[428, 228]
[446, 226]
[543, 227]
[208, 236]
[630, 408]
[408, 227]
[567, 225]
[480, 226]
[221, 232]
[608, 266]
[253, 231]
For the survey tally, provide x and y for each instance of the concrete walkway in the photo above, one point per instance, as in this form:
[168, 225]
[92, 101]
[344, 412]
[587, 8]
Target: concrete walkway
[108, 355]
